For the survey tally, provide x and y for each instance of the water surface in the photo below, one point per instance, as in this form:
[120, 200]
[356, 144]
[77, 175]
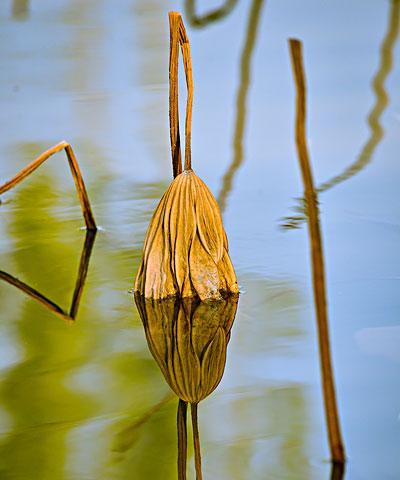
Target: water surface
[95, 73]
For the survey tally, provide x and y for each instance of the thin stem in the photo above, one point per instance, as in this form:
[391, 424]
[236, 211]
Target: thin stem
[331, 411]
[76, 173]
[182, 439]
[196, 441]
[178, 36]
[337, 471]
[174, 20]
[81, 189]
[187, 62]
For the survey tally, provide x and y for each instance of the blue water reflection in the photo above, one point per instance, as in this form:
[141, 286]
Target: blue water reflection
[95, 73]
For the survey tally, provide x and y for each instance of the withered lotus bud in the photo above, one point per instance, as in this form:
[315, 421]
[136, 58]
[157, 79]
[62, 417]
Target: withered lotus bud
[189, 339]
[186, 248]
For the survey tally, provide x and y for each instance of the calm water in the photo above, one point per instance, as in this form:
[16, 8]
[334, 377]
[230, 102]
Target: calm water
[87, 400]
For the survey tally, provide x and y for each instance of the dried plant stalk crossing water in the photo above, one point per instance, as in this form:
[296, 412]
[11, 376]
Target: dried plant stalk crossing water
[331, 410]
[76, 174]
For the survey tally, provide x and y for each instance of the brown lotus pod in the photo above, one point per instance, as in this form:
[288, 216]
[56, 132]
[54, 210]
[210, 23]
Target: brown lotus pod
[186, 248]
[188, 339]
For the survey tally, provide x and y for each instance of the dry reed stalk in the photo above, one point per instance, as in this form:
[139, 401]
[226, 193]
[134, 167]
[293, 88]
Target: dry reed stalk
[186, 249]
[318, 272]
[76, 174]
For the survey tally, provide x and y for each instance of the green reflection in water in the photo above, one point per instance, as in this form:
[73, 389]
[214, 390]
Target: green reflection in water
[268, 434]
[72, 379]
[34, 391]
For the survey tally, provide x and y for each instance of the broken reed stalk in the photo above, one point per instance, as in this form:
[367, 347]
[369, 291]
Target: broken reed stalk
[76, 174]
[331, 410]
[182, 439]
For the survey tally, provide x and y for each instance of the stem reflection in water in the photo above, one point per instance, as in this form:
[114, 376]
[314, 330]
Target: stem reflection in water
[188, 339]
[244, 81]
[241, 101]
[79, 284]
[373, 119]
[209, 17]
[20, 9]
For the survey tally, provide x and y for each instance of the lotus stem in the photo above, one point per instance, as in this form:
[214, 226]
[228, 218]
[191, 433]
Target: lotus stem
[318, 272]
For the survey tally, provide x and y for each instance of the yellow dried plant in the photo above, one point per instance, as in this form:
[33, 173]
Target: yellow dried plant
[186, 248]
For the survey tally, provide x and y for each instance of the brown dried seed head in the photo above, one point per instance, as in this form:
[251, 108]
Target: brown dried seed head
[186, 249]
